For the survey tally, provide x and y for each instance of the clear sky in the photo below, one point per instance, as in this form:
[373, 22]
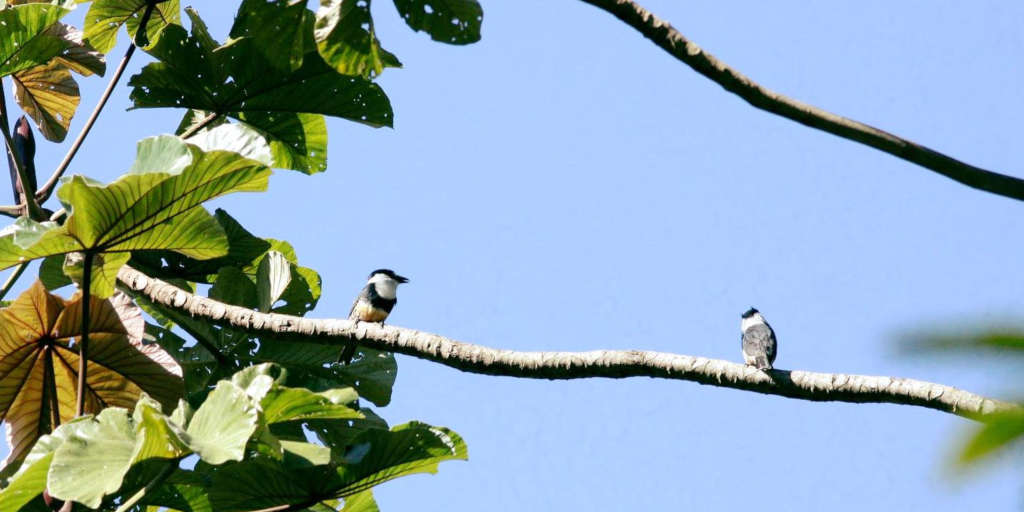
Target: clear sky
[566, 185]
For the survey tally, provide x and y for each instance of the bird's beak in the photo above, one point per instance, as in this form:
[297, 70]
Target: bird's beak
[401, 279]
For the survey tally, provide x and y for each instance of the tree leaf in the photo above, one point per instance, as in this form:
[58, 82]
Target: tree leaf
[95, 459]
[280, 30]
[234, 287]
[39, 331]
[78, 56]
[49, 95]
[223, 425]
[188, 76]
[244, 249]
[999, 430]
[237, 138]
[272, 278]
[447, 21]
[282, 404]
[106, 17]
[297, 141]
[27, 42]
[378, 456]
[360, 502]
[346, 40]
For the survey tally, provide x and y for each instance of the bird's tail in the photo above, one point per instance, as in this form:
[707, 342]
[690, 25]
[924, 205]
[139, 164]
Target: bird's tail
[763, 363]
[348, 352]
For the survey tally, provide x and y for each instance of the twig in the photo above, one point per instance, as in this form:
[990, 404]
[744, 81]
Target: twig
[820, 387]
[202, 124]
[13, 279]
[83, 350]
[669, 39]
[44, 192]
[157, 480]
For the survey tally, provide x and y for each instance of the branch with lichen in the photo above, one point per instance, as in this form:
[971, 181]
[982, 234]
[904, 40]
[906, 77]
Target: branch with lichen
[814, 386]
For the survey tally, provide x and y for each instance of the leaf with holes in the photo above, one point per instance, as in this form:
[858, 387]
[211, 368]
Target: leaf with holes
[279, 28]
[345, 38]
[27, 41]
[49, 96]
[235, 79]
[39, 363]
[447, 21]
[106, 17]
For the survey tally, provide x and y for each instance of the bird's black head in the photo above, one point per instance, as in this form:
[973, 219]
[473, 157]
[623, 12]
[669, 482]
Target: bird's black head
[390, 273]
[750, 312]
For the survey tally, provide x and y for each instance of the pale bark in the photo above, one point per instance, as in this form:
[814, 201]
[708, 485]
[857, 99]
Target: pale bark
[676, 44]
[824, 387]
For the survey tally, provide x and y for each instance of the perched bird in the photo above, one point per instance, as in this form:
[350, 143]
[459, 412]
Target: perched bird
[758, 340]
[25, 149]
[374, 303]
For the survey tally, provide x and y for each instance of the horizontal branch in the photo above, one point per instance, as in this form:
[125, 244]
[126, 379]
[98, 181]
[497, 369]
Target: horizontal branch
[821, 387]
[669, 39]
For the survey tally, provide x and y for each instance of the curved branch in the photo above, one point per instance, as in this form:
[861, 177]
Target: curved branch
[669, 39]
[819, 387]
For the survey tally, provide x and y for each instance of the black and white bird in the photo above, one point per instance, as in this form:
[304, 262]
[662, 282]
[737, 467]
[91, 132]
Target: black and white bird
[374, 303]
[758, 340]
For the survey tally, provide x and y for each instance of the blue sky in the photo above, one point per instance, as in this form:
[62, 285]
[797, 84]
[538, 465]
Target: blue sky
[566, 185]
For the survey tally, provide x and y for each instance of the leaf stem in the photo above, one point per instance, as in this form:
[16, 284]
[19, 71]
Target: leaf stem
[202, 124]
[83, 351]
[44, 192]
[157, 480]
[12, 279]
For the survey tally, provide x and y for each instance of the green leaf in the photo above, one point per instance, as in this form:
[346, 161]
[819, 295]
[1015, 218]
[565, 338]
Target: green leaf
[447, 21]
[296, 141]
[291, 404]
[188, 76]
[377, 456]
[223, 425]
[361, 502]
[104, 271]
[78, 56]
[280, 30]
[272, 278]
[234, 287]
[30, 482]
[346, 40]
[244, 249]
[999, 430]
[51, 273]
[94, 459]
[237, 138]
[106, 17]
[26, 40]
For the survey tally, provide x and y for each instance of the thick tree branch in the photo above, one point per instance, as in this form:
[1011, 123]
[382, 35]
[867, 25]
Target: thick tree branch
[821, 387]
[669, 39]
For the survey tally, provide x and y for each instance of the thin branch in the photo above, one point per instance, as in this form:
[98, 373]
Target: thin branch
[669, 39]
[821, 387]
[31, 206]
[171, 466]
[44, 192]
[13, 279]
[202, 124]
[83, 350]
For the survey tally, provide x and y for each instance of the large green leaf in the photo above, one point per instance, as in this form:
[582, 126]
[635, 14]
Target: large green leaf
[106, 17]
[296, 140]
[280, 30]
[244, 249]
[377, 456]
[346, 39]
[221, 427]
[39, 362]
[141, 210]
[27, 40]
[236, 79]
[94, 460]
[447, 21]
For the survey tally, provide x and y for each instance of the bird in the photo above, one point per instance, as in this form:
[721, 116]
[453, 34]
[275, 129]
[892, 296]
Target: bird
[758, 340]
[374, 303]
[25, 149]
